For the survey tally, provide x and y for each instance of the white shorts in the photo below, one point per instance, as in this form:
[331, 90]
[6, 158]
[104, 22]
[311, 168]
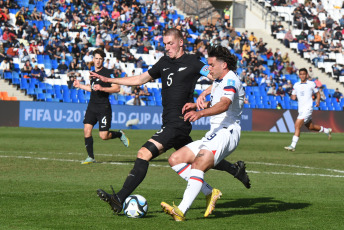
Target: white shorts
[221, 143]
[305, 115]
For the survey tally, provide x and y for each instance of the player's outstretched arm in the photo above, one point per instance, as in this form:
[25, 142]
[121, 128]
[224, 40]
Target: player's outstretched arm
[218, 108]
[113, 89]
[201, 98]
[134, 80]
[77, 84]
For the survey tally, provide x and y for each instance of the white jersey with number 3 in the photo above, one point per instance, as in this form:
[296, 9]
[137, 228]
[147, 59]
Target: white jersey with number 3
[304, 92]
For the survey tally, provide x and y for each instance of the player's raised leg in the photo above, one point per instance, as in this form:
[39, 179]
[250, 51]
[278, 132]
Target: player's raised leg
[313, 127]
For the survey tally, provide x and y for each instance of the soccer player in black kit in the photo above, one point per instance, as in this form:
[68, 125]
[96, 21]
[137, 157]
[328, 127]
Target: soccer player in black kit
[99, 107]
[179, 73]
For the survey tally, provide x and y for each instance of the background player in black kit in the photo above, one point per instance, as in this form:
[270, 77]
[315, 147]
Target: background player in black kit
[179, 73]
[99, 107]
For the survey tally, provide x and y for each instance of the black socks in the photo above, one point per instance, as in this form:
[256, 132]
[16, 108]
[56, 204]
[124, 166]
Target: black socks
[89, 146]
[134, 179]
[226, 166]
[115, 134]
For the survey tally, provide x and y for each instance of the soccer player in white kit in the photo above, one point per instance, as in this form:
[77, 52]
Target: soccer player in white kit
[225, 108]
[303, 91]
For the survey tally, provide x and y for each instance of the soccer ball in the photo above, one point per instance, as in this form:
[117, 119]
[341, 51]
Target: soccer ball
[135, 206]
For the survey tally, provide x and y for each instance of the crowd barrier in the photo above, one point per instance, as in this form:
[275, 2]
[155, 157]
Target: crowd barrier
[70, 115]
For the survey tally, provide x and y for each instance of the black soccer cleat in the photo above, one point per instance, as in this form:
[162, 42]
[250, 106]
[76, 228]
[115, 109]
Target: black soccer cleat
[241, 174]
[112, 200]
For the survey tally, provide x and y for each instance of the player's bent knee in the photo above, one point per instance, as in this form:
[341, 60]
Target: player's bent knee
[104, 135]
[152, 149]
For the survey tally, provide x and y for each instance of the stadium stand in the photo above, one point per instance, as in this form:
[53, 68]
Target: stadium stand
[49, 33]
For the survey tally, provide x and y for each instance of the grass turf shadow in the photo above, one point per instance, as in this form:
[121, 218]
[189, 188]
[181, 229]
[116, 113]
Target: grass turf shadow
[250, 206]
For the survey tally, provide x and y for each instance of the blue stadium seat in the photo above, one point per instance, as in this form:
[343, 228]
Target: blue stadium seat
[8, 75]
[30, 91]
[293, 104]
[40, 97]
[40, 59]
[54, 64]
[24, 83]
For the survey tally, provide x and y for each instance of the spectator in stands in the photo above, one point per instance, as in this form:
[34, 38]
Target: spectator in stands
[288, 37]
[12, 52]
[320, 8]
[35, 73]
[329, 21]
[58, 16]
[42, 74]
[280, 91]
[147, 45]
[317, 82]
[92, 40]
[74, 65]
[311, 73]
[5, 67]
[274, 28]
[272, 90]
[336, 71]
[76, 51]
[301, 47]
[71, 80]
[9, 37]
[2, 52]
[322, 94]
[109, 65]
[338, 95]
[62, 67]
[20, 20]
[52, 75]
[88, 60]
[314, 57]
[285, 58]
[288, 88]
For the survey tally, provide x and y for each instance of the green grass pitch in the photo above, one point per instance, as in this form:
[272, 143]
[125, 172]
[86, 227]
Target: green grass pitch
[44, 186]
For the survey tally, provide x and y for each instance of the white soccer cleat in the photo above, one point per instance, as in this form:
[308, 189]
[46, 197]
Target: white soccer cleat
[290, 148]
[329, 133]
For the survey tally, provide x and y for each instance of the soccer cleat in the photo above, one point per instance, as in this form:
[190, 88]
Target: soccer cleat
[112, 200]
[89, 160]
[211, 201]
[329, 133]
[124, 139]
[173, 211]
[290, 148]
[241, 174]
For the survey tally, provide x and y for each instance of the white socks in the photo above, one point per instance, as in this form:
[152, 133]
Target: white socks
[294, 141]
[184, 170]
[325, 130]
[193, 188]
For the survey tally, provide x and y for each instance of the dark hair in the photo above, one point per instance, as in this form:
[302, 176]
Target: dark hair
[174, 32]
[222, 53]
[303, 69]
[100, 52]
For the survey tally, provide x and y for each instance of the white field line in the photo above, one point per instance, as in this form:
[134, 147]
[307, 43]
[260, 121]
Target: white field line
[294, 166]
[155, 165]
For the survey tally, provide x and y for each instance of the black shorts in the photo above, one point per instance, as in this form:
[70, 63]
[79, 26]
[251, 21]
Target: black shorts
[172, 136]
[101, 113]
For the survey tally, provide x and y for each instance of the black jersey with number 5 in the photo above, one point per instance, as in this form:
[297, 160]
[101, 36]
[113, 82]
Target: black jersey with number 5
[100, 97]
[178, 77]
